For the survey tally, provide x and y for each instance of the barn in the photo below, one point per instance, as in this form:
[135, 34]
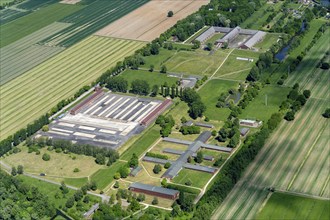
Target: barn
[154, 190]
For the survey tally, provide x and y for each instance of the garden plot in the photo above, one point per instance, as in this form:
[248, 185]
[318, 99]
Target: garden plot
[149, 21]
[24, 54]
[34, 93]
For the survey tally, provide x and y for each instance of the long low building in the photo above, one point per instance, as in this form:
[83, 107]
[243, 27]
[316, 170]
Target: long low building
[154, 190]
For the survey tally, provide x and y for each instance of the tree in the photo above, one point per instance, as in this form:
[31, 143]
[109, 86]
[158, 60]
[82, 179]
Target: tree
[116, 185]
[154, 201]
[167, 165]
[154, 90]
[100, 159]
[134, 161]
[86, 199]
[141, 197]
[307, 93]
[196, 44]
[124, 171]
[157, 168]
[325, 66]
[209, 46]
[199, 157]
[326, 114]
[64, 188]
[69, 203]
[163, 69]
[117, 84]
[189, 96]
[170, 14]
[289, 116]
[151, 68]
[20, 169]
[197, 109]
[78, 195]
[46, 157]
[45, 128]
[140, 87]
[13, 171]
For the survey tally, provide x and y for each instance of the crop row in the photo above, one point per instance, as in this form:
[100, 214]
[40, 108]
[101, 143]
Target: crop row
[35, 92]
[23, 55]
[90, 19]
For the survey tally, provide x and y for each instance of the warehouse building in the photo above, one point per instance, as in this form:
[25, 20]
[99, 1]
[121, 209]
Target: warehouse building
[154, 190]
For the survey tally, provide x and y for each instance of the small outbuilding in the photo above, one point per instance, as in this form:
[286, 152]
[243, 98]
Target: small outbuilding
[135, 171]
[154, 190]
[244, 131]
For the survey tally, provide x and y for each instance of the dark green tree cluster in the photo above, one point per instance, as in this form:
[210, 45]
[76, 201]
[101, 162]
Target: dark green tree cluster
[140, 87]
[166, 123]
[200, 82]
[172, 91]
[194, 101]
[190, 130]
[117, 84]
[21, 201]
[326, 113]
[134, 161]
[157, 168]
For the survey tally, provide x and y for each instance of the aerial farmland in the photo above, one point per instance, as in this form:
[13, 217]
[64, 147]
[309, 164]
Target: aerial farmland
[164, 109]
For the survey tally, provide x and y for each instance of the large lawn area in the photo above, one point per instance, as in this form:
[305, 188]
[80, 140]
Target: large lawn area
[285, 206]
[59, 165]
[153, 78]
[267, 42]
[266, 103]
[26, 25]
[197, 178]
[210, 93]
[159, 59]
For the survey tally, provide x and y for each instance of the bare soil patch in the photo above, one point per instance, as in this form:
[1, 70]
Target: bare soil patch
[149, 21]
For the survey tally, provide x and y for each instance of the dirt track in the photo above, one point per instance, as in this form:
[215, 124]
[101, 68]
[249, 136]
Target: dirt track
[149, 21]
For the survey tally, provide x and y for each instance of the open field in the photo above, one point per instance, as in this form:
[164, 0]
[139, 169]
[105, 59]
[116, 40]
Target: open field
[196, 63]
[24, 54]
[267, 42]
[103, 177]
[90, 19]
[197, 178]
[153, 78]
[258, 109]
[60, 164]
[210, 93]
[26, 25]
[279, 162]
[163, 144]
[215, 37]
[149, 21]
[286, 206]
[160, 59]
[35, 93]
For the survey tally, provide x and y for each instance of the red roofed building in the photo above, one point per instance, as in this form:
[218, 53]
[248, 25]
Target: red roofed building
[154, 114]
[77, 108]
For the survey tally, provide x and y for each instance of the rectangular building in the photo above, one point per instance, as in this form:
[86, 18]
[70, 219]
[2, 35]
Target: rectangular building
[154, 190]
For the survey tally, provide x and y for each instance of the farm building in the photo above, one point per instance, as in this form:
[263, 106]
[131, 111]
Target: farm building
[89, 100]
[251, 37]
[250, 123]
[135, 171]
[203, 137]
[205, 125]
[155, 160]
[154, 114]
[154, 190]
[244, 131]
[200, 168]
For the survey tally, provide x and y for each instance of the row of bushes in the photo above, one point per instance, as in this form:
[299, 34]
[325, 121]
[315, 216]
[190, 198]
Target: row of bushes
[155, 155]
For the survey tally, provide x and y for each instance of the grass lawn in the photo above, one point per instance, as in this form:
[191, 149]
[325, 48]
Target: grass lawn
[210, 93]
[158, 60]
[215, 154]
[195, 62]
[257, 108]
[163, 144]
[144, 177]
[153, 78]
[28, 24]
[215, 37]
[77, 182]
[285, 206]
[267, 42]
[142, 143]
[59, 165]
[150, 166]
[197, 178]
[104, 177]
[167, 203]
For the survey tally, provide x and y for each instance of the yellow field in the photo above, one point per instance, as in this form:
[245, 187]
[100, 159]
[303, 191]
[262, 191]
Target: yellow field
[34, 93]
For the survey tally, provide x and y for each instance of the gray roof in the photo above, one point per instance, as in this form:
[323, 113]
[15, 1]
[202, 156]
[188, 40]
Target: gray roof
[188, 123]
[230, 35]
[215, 147]
[135, 171]
[254, 39]
[204, 125]
[200, 168]
[91, 210]
[222, 29]
[152, 188]
[156, 160]
[244, 131]
[205, 35]
[203, 137]
[173, 151]
[177, 141]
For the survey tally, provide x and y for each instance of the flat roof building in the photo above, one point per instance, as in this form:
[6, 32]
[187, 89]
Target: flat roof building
[154, 190]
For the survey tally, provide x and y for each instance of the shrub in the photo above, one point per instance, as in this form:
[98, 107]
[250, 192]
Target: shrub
[76, 170]
[157, 168]
[167, 165]
[154, 201]
[46, 157]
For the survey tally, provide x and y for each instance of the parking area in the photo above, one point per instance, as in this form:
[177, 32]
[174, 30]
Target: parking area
[104, 119]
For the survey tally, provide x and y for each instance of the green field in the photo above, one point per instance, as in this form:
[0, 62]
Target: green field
[34, 93]
[28, 24]
[197, 178]
[76, 182]
[93, 17]
[24, 54]
[267, 42]
[153, 78]
[266, 103]
[160, 59]
[195, 63]
[104, 177]
[60, 164]
[210, 93]
[215, 37]
[142, 144]
[286, 206]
